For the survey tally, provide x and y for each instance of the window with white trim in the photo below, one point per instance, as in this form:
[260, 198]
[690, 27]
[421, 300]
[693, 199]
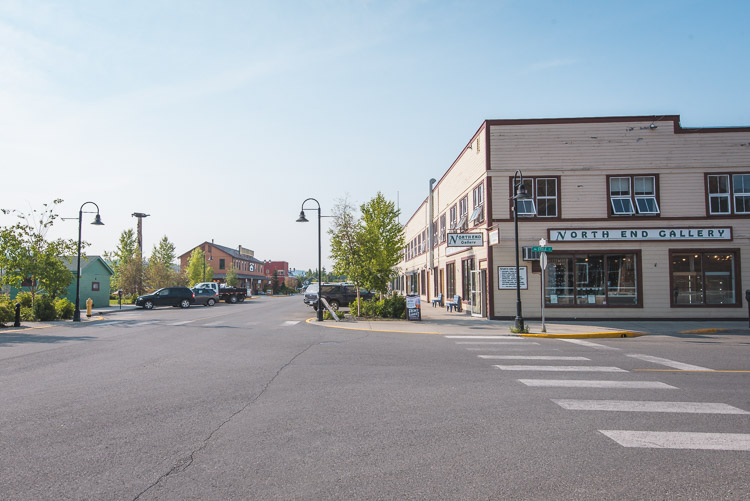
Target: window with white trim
[454, 212]
[477, 196]
[543, 197]
[463, 212]
[741, 193]
[633, 195]
[443, 235]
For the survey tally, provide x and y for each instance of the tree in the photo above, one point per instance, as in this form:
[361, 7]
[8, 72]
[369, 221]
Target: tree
[231, 277]
[346, 244]
[382, 240]
[124, 262]
[27, 256]
[275, 285]
[160, 272]
[196, 267]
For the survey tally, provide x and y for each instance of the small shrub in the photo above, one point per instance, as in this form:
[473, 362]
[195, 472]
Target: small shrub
[27, 314]
[7, 314]
[64, 309]
[24, 298]
[44, 308]
[394, 307]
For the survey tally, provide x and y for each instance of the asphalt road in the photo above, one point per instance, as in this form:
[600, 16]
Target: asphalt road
[249, 401]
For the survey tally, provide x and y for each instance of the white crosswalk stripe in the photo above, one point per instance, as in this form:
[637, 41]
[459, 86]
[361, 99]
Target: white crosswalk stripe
[491, 342]
[529, 357]
[181, 323]
[669, 363]
[472, 336]
[497, 348]
[559, 368]
[648, 406]
[680, 440]
[289, 323]
[583, 383]
[589, 344]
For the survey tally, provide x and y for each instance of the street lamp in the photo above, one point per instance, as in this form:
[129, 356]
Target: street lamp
[210, 258]
[303, 219]
[97, 221]
[519, 193]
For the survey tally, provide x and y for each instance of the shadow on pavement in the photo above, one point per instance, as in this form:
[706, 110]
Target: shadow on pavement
[10, 338]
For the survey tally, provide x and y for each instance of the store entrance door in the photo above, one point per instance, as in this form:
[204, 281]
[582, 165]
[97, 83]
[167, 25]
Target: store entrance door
[477, 292]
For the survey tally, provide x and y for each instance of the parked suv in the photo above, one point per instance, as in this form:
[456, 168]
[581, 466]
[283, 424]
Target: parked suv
[205, 296]
[169, 296]
[337, 295]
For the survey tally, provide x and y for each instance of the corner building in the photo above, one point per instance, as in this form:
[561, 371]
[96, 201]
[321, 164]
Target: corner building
[645, 218]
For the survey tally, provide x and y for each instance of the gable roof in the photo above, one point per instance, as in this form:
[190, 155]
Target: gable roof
[71, 262]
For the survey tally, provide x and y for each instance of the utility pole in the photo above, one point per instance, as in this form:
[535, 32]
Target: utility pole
[140, 216]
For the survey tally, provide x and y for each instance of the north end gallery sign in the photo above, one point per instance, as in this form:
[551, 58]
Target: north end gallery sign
[589, 235]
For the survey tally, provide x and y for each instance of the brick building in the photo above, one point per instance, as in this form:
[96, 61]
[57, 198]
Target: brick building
[251, 272]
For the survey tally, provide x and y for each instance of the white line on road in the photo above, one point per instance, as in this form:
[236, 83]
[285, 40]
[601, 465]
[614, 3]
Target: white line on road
[648, 406]
[669, 363]
[559, 368]
[529, 357]
[289, 323]
[680, 440]
[506, 338]
[147, 322]
[491, 348]
[583, 383]
[111, 322]
[589, 344]
[491, 342]
[182, 323]
[217, 322]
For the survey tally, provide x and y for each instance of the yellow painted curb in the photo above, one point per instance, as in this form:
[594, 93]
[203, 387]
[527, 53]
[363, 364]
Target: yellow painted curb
[29, 328]
[330, 326]
[710, 330]
[589, 335]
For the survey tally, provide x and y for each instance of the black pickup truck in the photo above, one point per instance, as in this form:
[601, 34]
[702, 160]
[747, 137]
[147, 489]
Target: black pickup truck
[337, 295]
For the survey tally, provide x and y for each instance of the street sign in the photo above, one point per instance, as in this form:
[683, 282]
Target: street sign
[541, 249]
[543, 260]
[465, 239]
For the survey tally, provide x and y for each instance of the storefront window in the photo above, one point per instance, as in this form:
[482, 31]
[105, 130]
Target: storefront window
[591, 280]
[703, 278]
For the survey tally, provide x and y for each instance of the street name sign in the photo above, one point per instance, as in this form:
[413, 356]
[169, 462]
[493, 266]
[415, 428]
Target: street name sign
[541, 249]
[465, 239]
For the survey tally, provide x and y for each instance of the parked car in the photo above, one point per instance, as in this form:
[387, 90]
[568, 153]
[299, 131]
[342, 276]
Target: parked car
[206, 297]
[169, 296]
[228, 294]
[337, 295]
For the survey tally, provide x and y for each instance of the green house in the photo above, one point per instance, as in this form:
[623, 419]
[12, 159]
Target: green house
[95, 275]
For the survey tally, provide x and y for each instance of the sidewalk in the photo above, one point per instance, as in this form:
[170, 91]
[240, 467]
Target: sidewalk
[439, 321]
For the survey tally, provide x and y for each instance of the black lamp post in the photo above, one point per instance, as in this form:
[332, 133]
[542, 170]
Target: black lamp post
[97, 221]
[210, 258]
[303, 219]
[519, 193]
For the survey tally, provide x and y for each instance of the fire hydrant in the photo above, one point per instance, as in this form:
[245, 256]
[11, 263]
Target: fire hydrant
[89, 305]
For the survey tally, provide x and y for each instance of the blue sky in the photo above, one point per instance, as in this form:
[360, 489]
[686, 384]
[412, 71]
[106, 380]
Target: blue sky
[219, 118]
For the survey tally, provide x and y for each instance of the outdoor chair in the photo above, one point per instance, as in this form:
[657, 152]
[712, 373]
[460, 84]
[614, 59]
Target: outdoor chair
[456, 303]
[438, 301]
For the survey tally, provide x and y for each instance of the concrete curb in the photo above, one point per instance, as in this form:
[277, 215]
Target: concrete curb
[589, 335]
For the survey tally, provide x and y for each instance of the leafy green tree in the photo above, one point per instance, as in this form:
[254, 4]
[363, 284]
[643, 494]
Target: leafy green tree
[27, 255]
[196, 266]
[346, 244]
[160, 272]
[124, 262]
[382, 239]
[231, 277]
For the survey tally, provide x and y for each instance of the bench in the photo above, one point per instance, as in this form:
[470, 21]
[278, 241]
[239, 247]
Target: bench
[438, 301]
[456, 303]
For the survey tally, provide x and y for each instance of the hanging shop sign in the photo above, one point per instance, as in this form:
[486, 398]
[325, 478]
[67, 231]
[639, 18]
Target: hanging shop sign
[494, 237]
[636, 234]
[506, 277]
[465, 239]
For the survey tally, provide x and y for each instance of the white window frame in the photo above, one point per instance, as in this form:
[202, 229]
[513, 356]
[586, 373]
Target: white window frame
[622, 205]
[545, 197]
[719, 195]
[745, 193]
[649, 204]
[477, 196]
[463, 212]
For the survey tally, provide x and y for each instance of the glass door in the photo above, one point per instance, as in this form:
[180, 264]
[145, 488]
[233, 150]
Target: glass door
[476, 289]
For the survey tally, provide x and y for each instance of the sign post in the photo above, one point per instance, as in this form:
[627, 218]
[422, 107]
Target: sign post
[543, 263]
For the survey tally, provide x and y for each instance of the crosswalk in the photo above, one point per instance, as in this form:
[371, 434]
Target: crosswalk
[519, 358]
[132, 323]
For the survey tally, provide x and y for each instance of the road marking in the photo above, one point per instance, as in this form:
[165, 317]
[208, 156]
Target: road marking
[490, 348]
[669, 363]
[147, 322]
[217, 322]
[529, 357]
[559, 368]
[679, 370]
[182, 323]
[111, 322]
[589, 344]
[680, 440]
[582, 383]
[289, 323]
[493, 342]
[509, 338]
[648, 406]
